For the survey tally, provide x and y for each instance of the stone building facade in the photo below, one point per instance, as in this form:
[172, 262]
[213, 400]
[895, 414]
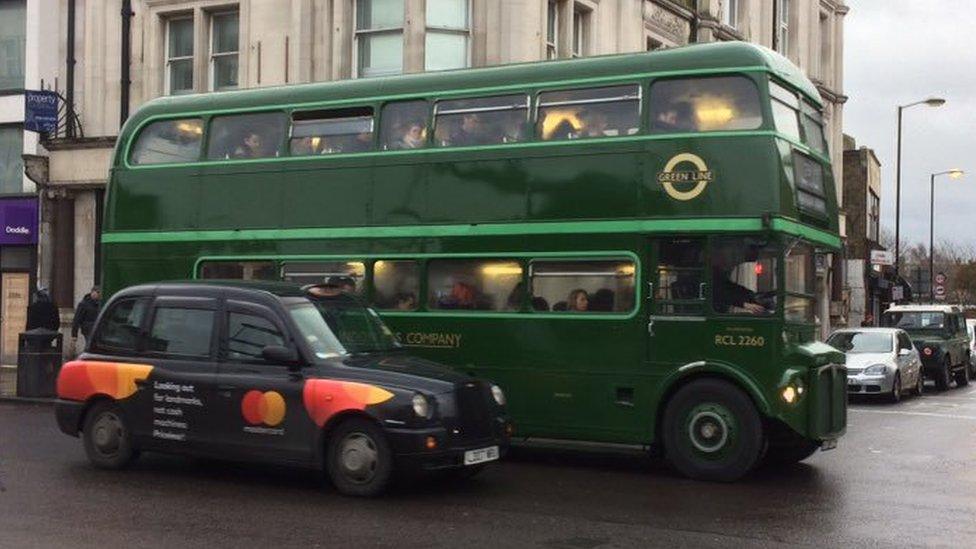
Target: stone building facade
[179, 46]
[869, 285]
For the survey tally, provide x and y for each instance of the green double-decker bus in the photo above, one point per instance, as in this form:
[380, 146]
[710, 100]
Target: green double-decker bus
[626, 244]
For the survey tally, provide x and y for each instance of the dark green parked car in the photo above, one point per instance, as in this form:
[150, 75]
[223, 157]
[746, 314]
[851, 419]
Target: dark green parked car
[939, 333]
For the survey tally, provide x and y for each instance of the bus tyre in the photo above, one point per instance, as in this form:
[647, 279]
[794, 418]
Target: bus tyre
[358, 458]
[106, 436]
[962, 376]
[942, 377]
[712, 431]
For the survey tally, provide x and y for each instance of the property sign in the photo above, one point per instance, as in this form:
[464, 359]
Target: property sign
[18, 221]
[882, 257]
[40, 111]
[939, 291]
[940, 278]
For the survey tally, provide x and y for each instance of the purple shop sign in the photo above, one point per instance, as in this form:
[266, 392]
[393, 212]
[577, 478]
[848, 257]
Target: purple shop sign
[18, 221]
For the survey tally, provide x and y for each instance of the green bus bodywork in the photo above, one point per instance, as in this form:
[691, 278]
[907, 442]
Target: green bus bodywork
[601, 377]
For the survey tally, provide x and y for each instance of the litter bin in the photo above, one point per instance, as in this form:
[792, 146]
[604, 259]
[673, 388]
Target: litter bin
[38, 362]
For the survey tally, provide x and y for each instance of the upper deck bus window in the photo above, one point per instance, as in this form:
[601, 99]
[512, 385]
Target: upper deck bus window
[786, 108]
[582, 285]
[344, 276]
[593, 112]
[169, 141]
[811, 122]
[744, 276]
[244, 136]
[332, 131]
[481, 121]
[475, 284]
[403, 125]
[722, 103]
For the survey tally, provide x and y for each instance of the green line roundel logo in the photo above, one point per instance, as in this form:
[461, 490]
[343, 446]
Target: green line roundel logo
[674, 180]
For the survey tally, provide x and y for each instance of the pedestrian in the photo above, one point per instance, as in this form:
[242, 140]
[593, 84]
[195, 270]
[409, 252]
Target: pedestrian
[85, 314]
[43, 313]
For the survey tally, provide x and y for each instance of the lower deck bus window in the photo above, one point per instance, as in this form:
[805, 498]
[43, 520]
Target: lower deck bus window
[722, 103]
[744, 276]
[475, 284]
[347, 276]
[396, 285]
[800, 283]
[238, 270]
[582, 286]
[243, 136]
[332, 131]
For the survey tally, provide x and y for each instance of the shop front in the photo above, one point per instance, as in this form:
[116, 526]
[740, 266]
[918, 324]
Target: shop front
[18, 256]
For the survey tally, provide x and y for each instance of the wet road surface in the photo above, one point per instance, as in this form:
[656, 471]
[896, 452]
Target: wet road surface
[905, 475]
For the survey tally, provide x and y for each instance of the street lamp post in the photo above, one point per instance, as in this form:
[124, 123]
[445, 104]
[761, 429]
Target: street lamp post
[954, 173]
[931, 102]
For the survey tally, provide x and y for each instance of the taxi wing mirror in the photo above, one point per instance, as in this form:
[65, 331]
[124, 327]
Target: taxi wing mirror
[280, 354]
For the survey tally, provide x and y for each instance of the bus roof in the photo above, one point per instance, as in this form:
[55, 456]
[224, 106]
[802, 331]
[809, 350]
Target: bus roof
[691, 59]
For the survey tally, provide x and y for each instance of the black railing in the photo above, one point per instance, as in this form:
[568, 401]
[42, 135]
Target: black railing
[69, 124]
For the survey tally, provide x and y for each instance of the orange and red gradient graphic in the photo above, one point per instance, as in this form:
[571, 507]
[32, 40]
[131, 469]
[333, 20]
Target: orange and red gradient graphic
[82, 379]
[267, 408]
[324, 398]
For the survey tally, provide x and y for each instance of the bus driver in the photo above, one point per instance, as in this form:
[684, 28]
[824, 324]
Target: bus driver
[729, 296]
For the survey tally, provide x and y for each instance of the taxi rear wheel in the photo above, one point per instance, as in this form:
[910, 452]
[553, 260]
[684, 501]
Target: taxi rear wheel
[106, 436]
[712, 431]
[359, 459]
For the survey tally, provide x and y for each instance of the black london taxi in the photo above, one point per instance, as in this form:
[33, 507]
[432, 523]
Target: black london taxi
[268, 371]
[939, 333]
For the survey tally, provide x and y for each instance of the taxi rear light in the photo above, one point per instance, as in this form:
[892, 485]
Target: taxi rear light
[927, 351]
[431, 443]
[509, 429]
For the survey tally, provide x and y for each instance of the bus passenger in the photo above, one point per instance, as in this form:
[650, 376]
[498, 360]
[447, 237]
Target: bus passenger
[602, 300]
[578, 301]
[595, 124]
[678, 117]
[363, 142]
[303, 146]
[252, 146]
[405, 302]
[413, 136]
[469, 132]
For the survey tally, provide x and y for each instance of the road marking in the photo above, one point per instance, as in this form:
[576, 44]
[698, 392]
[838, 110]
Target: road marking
[901, 413]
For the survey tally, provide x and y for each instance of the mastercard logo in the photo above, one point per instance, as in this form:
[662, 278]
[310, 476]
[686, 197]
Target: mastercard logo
[267, 408]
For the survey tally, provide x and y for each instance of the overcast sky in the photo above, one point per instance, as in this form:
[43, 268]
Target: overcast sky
[898, 52]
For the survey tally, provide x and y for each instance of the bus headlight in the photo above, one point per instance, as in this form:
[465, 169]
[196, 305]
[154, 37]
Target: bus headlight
[498, 394]
[421, 406]
[790, 394]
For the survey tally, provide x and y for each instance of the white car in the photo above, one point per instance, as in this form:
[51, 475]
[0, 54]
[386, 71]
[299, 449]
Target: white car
[880, 361]
[970, 327]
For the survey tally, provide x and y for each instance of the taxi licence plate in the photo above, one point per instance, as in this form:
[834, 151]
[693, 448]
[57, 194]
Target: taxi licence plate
[481, 455]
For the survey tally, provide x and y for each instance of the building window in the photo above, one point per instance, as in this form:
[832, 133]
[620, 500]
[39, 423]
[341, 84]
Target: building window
[379, 37]
[874, 215]
[447, 35]
[730, 13]
[581, 28]
[13, 44]
[11, 161]
[783, 26]
[552, 29]
[224, 51]
[179, 56]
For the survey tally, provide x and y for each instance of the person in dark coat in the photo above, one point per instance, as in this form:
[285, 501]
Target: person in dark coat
[85, 314]
[43, 313]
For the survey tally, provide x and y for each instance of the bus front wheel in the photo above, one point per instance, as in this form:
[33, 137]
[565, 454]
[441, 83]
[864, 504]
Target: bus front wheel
[712, 431]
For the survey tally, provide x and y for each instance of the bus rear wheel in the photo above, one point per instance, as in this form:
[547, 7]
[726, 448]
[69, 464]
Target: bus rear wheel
[712, 431]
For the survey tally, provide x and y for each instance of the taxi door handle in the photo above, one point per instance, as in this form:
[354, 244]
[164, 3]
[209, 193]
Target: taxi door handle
[225, 390]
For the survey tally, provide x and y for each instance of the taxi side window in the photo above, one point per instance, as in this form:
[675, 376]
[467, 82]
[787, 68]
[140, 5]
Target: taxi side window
[120, 331]
[248, 335]
[181, 331]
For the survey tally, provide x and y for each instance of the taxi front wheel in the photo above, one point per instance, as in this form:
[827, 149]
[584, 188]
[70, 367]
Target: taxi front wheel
[712, 431]
[106, 436]
[359, 460]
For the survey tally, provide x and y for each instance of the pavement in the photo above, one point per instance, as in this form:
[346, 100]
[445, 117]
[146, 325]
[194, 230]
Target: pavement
[903, 476]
